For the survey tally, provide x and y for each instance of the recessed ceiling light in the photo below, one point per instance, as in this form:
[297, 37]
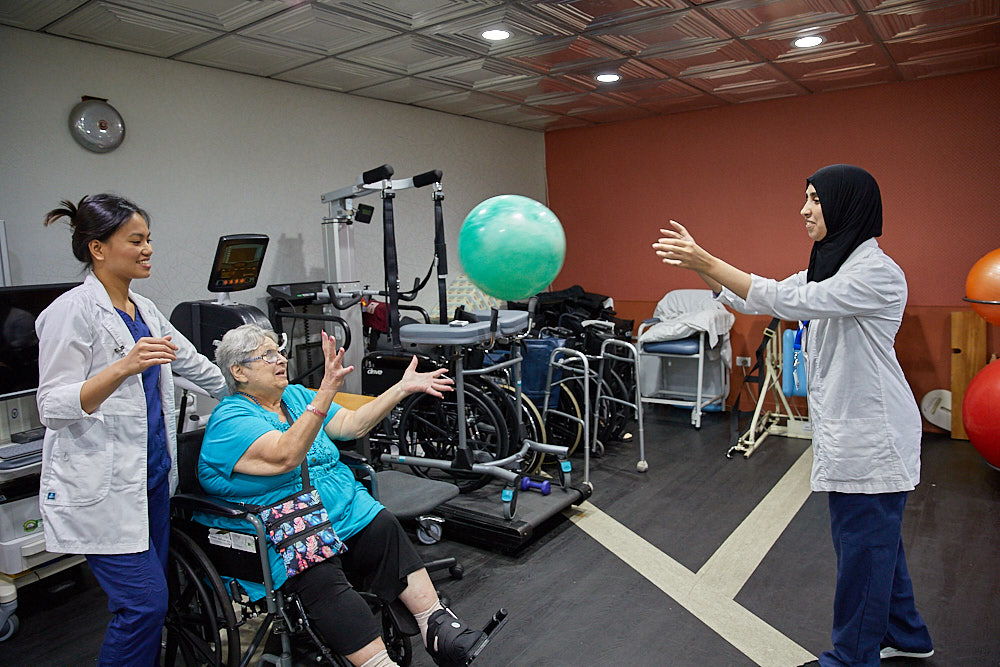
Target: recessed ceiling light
[607, 78]
[496, 35]
[808, 42]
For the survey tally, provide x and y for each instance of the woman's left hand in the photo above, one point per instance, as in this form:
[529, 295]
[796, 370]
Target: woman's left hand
[433, 383]
[678, 248]
[334, 373]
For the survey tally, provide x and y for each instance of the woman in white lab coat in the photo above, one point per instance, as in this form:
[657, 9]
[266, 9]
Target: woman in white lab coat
[106, 397]
[866, 426]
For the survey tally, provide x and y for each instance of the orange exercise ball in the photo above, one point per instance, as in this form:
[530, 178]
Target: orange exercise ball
[982, 286]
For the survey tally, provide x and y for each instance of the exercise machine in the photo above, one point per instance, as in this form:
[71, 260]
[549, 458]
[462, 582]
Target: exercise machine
[778, 375]
[473, 516]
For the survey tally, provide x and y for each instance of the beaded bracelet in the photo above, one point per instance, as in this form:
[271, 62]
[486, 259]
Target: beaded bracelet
[316, 411]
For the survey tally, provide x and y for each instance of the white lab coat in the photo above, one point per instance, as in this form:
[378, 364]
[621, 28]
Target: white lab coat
[93, 481]
[866, 425]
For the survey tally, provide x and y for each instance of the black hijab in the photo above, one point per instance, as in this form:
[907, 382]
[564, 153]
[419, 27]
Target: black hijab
[852, 211]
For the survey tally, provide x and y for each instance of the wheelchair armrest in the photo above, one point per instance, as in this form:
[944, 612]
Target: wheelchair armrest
[208, 505]
[362, 468]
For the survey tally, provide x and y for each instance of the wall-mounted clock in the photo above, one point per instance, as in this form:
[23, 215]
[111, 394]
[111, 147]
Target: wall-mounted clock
[96, 125]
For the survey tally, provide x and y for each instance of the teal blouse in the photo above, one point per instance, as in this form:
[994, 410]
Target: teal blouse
[234, 425]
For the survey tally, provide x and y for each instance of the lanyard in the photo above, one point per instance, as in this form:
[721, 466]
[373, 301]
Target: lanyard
[797, 354]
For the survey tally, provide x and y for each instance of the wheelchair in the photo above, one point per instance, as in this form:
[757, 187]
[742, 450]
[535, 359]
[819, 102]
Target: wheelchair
[205, 614]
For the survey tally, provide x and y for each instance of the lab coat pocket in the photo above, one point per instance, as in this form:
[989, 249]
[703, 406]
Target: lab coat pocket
[79, 473]
[855, 449]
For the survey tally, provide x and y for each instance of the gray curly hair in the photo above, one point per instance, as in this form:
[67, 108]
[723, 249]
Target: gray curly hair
[238, 345]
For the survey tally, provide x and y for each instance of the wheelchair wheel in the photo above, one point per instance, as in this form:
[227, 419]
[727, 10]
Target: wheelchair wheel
[534, 429]
[397, 645]
[611, 416]
[428, 427]
[561, 430]
[200, 627]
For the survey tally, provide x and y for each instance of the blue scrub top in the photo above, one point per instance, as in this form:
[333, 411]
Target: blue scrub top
[234, 425]
[157, 454]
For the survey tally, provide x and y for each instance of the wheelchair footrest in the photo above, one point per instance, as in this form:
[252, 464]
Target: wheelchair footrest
[491, 628]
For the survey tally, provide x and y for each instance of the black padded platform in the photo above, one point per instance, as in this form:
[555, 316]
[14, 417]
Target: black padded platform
[476, 518]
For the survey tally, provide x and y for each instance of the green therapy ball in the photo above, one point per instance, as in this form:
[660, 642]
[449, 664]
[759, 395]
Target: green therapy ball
[511, 247]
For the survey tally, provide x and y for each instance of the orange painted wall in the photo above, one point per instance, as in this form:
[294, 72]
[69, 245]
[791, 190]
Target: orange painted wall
[735, 177]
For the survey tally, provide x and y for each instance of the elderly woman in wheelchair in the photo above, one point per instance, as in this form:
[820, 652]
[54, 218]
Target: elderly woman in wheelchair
[253, 452]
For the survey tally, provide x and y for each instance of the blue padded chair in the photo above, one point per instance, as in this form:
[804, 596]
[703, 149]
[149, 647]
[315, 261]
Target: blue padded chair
[691, 373]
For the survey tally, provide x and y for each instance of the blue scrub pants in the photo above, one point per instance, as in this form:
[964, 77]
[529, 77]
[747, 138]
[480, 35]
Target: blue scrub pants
[873, 605]
[136, 585]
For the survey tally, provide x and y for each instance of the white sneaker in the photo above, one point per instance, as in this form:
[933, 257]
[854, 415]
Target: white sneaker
[892, 652]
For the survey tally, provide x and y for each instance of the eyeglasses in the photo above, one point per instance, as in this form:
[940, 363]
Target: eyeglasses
[270, 357]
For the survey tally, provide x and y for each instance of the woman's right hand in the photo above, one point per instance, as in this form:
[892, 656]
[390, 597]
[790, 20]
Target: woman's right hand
[147, 352]
[334, 373]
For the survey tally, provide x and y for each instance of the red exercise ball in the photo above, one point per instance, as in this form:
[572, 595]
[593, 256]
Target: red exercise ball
[983, 284]
[981, 413]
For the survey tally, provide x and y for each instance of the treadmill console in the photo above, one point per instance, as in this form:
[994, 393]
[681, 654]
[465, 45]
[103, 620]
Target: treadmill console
[238, 259]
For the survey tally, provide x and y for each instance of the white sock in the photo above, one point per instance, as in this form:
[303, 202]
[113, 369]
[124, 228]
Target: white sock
[380, 659]
[424, 616]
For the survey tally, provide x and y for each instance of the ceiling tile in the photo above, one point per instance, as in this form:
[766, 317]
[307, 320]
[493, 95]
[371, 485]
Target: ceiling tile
[408, 54]
[548, 123]
[554, 55]
[630, 70]
[221, 15]
[952, 62]
[682, 104]
[320, 29]
[582, 15]
[747, 83]
[945, 43]
[706, 57]
[674, 30]
[753, 17]
[129, 29]
[413, 14]
[479, 74]
[464, 103]
[243, 54]
[642, 92]
[848, 31]
[35, 15]
[843, 68]
[527, 91]
[916, 18]
[334, 74]
[525, 28]
[516, 115]
[407, 90]
[571, 102]
[612, 114]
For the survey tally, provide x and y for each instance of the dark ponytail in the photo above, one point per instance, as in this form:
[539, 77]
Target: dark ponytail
[95, 217]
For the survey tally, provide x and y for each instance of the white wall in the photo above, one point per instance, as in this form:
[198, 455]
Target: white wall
[209, 152]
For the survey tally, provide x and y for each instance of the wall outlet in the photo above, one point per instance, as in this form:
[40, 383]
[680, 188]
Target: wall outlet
[743, 362]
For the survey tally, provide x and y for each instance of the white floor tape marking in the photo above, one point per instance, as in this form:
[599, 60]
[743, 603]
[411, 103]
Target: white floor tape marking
[709, 593]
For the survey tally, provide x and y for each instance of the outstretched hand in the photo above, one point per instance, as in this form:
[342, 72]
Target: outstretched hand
[433, 383]
[334, 373]
[678, 248]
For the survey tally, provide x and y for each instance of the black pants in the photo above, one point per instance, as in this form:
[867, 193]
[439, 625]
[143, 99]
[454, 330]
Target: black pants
[378, 559]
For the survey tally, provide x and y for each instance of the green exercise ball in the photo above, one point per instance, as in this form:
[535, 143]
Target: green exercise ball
[511, 247]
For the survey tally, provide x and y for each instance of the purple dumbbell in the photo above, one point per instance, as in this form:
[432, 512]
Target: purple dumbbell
[545, 486]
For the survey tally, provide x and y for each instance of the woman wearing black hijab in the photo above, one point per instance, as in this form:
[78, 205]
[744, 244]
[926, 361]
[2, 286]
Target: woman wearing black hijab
[866, 425]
